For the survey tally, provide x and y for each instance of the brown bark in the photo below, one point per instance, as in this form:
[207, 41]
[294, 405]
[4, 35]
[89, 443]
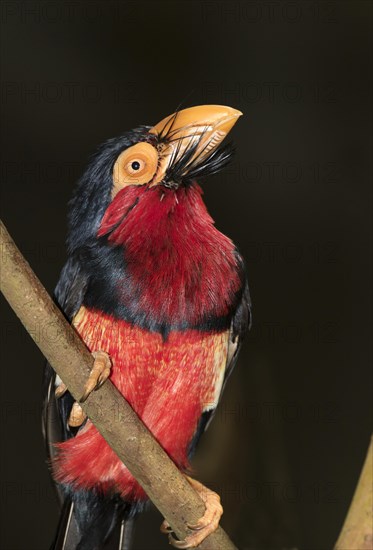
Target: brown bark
[357, 531]
[112, 415]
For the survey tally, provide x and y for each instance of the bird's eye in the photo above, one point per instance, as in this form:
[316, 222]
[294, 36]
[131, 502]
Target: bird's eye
[135, 166]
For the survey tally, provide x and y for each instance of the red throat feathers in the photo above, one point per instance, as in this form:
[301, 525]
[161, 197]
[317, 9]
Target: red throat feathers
[178, 264]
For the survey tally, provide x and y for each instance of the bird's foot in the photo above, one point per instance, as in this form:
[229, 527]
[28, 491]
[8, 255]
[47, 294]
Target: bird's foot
[206, 525]
[99, 374]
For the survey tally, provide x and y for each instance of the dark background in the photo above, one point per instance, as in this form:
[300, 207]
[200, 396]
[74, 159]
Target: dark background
[293, 427]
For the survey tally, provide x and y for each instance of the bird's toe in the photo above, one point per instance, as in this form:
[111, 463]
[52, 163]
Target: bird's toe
[77, 416]
[99, 374]
[166, 528]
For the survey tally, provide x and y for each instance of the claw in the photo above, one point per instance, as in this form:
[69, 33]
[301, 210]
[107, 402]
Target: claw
[166, 528]
[178, 543]
[195, 526]
[99, 374]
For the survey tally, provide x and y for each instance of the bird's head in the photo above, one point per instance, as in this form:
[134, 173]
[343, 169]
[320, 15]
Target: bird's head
[166, 157]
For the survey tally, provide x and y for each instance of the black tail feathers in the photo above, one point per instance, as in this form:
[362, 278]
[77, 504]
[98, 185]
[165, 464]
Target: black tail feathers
[92, 522]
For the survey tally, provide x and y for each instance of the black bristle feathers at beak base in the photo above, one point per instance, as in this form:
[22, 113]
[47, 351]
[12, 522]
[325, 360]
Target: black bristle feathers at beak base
[186, 164]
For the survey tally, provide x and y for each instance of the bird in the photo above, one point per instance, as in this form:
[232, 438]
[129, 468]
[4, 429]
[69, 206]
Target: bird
[160, 298]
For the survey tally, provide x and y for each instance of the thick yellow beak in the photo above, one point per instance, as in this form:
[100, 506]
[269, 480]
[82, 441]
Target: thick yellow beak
[203, 126]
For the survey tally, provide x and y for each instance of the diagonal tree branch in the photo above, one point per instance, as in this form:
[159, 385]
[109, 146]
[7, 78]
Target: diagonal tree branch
[357, 531]
[109, 411]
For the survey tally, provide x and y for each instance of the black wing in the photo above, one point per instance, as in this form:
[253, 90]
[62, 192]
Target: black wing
[241, 322]
[69, 294]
